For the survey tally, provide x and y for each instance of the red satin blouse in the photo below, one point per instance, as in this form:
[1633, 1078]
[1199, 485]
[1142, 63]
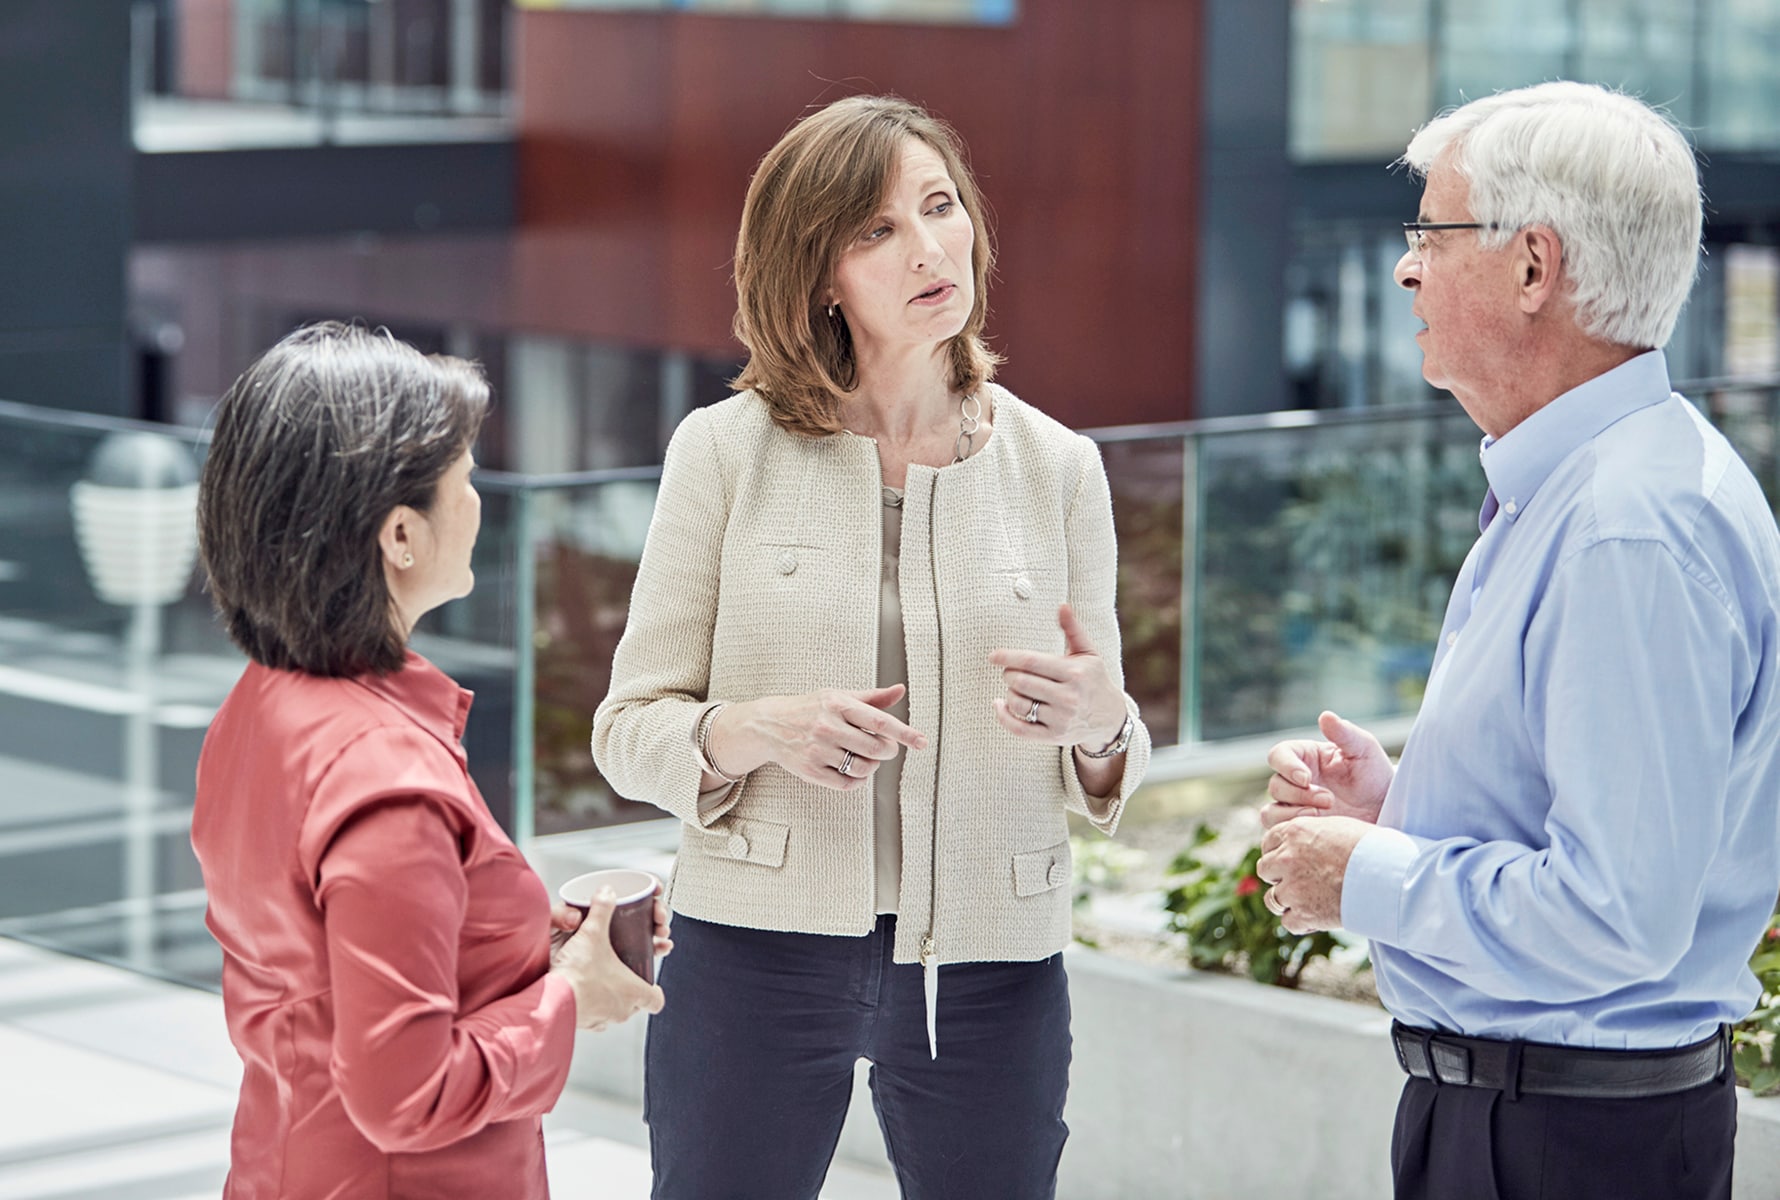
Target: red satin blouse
[384, 946]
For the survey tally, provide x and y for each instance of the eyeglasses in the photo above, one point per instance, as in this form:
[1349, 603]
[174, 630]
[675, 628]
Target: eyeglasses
[1416, 232]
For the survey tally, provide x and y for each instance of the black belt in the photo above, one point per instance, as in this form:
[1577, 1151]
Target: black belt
[1540, 1069]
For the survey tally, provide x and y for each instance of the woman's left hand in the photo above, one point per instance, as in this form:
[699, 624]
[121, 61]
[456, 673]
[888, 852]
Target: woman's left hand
[1067, 699]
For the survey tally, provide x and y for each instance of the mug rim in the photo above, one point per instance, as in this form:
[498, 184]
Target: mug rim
[646, 887]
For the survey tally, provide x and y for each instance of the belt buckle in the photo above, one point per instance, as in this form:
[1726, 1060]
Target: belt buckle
[1449, 1063]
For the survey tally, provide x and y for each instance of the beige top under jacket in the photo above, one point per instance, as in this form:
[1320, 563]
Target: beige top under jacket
[761, 577]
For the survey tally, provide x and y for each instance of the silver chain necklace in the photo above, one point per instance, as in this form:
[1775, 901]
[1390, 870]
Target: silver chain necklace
[968, 424]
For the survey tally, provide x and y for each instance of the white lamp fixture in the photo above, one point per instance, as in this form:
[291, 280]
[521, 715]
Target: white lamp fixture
[135, 519]
[136, 522]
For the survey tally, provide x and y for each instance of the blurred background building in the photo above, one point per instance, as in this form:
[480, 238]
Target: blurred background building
[1196, 214]
[1197, 217]
[1193, 199]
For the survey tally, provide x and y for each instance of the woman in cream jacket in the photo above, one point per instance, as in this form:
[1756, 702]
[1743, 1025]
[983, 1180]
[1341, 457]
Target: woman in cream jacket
[871, 660]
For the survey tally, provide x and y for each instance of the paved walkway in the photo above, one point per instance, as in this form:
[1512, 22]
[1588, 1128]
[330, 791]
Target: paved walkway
[120, 1087]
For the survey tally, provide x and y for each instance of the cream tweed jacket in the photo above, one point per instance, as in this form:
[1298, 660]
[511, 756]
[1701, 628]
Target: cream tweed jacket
[761, 576]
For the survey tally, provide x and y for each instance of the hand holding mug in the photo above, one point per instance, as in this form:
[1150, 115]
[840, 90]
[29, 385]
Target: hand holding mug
[620, 920]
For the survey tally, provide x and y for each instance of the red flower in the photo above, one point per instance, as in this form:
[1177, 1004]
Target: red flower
[1774, 933]
[1248, 885]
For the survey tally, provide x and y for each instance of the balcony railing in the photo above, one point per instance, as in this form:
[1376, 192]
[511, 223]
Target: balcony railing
[296, 72]
[1269, 567]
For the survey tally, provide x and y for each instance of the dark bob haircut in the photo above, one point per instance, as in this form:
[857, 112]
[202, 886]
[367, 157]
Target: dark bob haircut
[314, 446]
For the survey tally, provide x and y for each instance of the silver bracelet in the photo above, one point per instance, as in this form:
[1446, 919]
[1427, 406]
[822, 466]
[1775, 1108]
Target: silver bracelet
[703, 742]
[1120, 741]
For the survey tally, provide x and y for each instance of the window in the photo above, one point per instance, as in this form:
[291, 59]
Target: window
[1367, 73]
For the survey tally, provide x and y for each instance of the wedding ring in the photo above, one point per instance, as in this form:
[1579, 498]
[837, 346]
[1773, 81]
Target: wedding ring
[1032, 717]
[1272, 903]
[846, 767]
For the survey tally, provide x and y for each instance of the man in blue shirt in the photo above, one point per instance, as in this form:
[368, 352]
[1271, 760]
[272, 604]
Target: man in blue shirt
[1564, 875]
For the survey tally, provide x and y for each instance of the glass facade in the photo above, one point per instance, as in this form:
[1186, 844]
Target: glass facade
[1367, 73]
[287, 71]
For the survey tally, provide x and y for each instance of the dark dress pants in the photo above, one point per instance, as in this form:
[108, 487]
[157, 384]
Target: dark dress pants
[749, 1067]
[1468, 1143]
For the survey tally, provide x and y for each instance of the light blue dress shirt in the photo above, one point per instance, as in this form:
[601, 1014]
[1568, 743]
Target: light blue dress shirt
[1582, 841]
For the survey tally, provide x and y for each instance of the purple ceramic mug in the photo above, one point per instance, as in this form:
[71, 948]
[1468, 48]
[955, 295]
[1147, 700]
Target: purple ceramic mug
[633, 917]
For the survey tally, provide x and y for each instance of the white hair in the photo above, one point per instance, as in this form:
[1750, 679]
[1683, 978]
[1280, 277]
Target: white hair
[1615, 180]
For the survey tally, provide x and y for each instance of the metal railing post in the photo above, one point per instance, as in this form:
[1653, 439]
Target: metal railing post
[1191, 541]
[525, 627]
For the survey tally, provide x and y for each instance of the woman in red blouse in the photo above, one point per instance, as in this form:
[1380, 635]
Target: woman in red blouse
[387, 972]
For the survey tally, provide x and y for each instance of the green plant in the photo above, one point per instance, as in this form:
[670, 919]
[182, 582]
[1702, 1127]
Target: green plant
[1753, 1038]
[1220, 910]
[1100, 865]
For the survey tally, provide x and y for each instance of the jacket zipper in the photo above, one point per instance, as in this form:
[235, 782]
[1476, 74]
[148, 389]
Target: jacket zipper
[877, 631]
[929, 951]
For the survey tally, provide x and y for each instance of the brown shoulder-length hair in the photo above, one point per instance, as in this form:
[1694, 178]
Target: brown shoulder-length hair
[810, 198]
[315, 444]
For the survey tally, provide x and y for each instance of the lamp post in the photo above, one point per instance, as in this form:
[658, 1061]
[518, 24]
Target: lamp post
[135, 520]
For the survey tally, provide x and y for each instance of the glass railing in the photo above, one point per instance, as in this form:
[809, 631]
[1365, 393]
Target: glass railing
[1269, 567]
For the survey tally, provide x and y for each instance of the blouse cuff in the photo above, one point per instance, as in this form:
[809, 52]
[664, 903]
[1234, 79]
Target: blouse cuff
[721, 799]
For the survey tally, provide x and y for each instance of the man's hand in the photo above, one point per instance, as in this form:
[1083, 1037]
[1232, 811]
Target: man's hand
[1346, 776]
[1306, 861]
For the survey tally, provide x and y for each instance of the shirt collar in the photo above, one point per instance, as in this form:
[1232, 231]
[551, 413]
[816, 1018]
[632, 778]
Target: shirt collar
[1524, 457]
[426, 694]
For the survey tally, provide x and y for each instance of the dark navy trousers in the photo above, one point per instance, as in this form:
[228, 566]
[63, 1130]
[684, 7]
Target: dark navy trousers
[749, 1067]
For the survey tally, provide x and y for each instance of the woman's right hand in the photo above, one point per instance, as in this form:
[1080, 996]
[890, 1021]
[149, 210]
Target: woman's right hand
[606, 991]
[809, 735]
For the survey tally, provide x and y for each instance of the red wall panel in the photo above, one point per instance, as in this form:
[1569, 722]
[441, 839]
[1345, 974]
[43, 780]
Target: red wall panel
[639, 132]
[206, 48]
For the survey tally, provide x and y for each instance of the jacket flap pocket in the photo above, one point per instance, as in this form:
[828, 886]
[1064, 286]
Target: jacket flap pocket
[760, 842]
[1041, 870]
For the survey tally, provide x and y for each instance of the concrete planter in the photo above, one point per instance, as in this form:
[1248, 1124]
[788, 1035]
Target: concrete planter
[1193, 1086]
[1185, 1085]
[1189, 1084]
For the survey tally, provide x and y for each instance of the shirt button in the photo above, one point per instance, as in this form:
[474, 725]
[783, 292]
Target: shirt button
[787, 562]
[1057, 874]
[1452, 639]
[1023, 588]
[1511, 508]
[737, 846]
